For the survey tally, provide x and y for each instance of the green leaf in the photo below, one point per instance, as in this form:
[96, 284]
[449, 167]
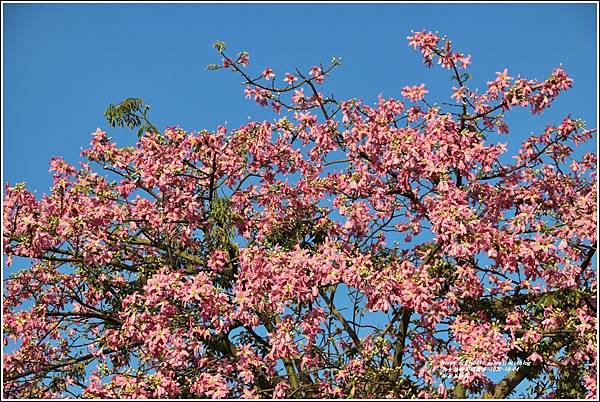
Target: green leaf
[219, 45]
[130, 113]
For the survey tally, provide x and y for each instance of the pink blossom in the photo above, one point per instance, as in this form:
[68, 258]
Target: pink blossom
[317, 73]
[268, 74]
[290, 78]
[414, 93]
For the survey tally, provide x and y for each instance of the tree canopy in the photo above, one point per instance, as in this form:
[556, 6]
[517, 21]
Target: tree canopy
[340, 249]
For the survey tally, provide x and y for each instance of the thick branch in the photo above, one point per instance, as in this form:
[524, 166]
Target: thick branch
[69, 362]
[400, 345]
[510, 382]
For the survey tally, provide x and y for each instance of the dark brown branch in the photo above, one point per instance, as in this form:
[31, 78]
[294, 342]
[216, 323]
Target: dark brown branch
[341, 319]
[53, 366]
[400, 345]
[510, 382]
[83, 315]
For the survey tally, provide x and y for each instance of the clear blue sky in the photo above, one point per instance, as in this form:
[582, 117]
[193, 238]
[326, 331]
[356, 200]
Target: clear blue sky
[63, 64]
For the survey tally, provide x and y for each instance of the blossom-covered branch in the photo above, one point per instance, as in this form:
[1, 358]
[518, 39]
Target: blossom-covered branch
[339, 250]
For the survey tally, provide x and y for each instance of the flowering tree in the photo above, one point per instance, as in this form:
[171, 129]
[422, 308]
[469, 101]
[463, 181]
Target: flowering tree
[340, 250]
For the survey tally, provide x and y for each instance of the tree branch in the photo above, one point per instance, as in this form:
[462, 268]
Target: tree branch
[510, 382]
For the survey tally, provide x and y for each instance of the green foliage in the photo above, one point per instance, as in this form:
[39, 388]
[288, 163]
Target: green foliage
[221, 237]
[301, 231]
[565, 299]
[220, 219]
[443, 269]
[131, 113]
[569, 384]
[219, 45]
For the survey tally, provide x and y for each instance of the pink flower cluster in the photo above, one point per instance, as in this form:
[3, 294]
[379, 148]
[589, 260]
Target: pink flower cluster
[341, 250]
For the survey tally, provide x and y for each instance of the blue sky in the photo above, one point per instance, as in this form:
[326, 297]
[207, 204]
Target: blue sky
[63, 64]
